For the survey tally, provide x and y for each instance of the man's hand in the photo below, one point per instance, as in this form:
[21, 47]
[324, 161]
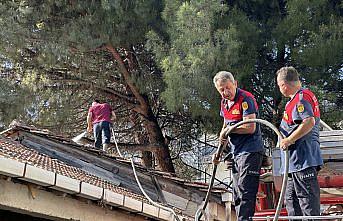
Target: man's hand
[89, 129]
[285, 143]
[222, 137]
[304, 128]
[215, 159]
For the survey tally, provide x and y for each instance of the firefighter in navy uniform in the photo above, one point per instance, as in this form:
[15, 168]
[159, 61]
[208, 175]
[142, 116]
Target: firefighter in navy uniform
[246, 142]
[300, 125]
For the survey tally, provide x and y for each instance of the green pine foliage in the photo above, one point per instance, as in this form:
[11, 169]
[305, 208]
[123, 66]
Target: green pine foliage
[54, 61]
[204, 37]
[252, 39]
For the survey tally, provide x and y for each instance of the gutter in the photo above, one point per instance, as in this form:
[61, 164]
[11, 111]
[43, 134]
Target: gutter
[32, 174]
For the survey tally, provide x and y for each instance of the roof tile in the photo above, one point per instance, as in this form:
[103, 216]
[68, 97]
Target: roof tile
[16, 151]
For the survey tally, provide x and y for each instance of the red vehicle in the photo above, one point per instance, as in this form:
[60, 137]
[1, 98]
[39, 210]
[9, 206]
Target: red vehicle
[330, 179]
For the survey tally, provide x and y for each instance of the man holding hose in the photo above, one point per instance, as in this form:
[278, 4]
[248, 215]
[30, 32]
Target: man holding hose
[300, 125]
[246, 142]
[99, 119]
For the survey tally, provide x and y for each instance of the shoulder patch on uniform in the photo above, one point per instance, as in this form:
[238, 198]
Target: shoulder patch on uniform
[300, 108]
[245, 105]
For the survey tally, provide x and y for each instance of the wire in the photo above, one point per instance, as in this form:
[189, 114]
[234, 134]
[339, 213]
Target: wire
[219, 181]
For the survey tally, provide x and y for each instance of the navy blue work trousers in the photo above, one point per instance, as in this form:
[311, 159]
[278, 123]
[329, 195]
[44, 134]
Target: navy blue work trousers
[302, 195]
[246, 174]
[102, 133]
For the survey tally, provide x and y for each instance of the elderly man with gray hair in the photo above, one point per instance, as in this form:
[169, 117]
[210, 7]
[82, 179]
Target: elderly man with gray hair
[246, 142]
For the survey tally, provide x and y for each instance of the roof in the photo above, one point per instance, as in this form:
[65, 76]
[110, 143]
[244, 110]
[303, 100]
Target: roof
[16, 151]
[331, 145]
[60, 155]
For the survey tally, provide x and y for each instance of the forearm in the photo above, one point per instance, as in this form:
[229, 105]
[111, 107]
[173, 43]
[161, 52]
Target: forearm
[304, 128]
[113, 115]
[248, 128]
[89, 121]
[222, 136]
[224, 126]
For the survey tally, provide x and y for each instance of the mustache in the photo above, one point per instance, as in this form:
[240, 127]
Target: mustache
[226, 95]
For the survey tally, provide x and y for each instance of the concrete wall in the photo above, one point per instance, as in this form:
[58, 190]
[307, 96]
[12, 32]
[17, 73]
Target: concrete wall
[18, 198]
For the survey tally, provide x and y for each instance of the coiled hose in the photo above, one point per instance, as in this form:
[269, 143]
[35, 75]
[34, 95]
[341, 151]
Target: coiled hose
[220, 149]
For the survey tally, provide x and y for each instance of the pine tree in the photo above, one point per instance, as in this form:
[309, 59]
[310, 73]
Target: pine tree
[252, 39]
[58, 38]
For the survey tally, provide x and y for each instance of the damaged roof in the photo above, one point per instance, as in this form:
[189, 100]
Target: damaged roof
[60, 155]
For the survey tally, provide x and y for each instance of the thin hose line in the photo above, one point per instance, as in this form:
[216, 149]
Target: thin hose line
[139, 183]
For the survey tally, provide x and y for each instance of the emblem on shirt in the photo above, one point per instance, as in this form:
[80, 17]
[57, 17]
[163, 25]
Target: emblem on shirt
[300, 108]
[245, 105]
[235, 112]
[285, 115]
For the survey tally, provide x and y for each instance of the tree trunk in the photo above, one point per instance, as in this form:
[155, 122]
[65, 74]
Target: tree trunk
[149, 120]
[141, 138]
[156, 137]
[147, 159]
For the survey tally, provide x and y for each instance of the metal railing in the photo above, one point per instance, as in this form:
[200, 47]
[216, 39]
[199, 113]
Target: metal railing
[339, 217]
[201, 211]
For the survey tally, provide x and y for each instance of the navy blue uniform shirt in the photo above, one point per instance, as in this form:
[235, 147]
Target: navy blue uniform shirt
[306, 150]
[233, 112]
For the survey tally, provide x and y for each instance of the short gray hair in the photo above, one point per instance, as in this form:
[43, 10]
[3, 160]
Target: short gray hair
[223, 76]
[288, 74]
